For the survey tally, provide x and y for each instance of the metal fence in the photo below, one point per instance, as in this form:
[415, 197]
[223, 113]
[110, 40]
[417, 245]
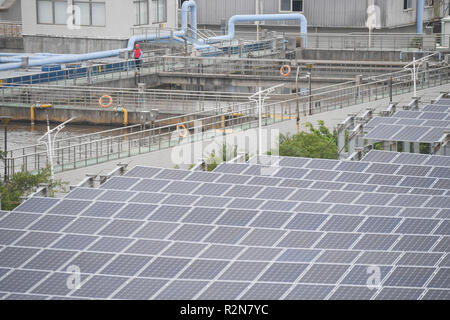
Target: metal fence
[205, 125]
[135, 100]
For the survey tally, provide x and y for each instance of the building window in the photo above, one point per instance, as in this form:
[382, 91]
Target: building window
[291, 5]
[429, 3]
[51, 11]
[92, 13]
[141, 10]
[159, 11]
[407, 4]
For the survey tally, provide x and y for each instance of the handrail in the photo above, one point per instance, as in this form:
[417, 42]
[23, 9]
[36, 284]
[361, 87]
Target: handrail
[98, 150]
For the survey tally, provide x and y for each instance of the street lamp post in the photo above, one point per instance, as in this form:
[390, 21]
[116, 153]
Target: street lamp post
[309, 66]
[50, 143]
[259, 98]
[414, 68]
[297, 100]
[5, 120]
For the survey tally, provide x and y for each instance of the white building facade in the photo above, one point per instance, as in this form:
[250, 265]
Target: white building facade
[79, 26]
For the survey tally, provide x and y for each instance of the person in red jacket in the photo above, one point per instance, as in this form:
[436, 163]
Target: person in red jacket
[137, 55]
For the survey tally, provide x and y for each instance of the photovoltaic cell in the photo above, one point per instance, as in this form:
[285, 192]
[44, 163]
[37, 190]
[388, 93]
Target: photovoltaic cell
[203, 215]
[342, 223]
[140, 289]
[434, 294]
[382, 132]
[337, 241]
[172, 174]
[99, 287]
[182, 290]
[309, 292]
[324, 273]
[190, 232]
[37, 205]
[379, 225]
[119, 183]
[203, 269]
[142, 172]
[220, 290]
[150, 185]
[380, 156]
[265, 291]
[352, 293]
[235, 217]
[268, 219]
[84, 193]
[126, 265]
[409, 277]
[136, 211]
[293, 162]
[417, 226]
[283, 272]
[259, 254]
[399, 294]
[70, 207]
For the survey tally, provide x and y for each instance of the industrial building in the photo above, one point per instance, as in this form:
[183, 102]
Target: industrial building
[342, 14]
[83, 26]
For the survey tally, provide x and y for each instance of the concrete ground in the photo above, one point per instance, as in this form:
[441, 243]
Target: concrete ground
[164, 158]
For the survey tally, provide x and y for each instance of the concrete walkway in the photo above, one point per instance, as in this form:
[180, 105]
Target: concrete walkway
[163, 158]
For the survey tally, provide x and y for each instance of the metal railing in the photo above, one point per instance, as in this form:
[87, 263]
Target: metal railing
[80, 98]
[206, 125]
[376, 41]
[76, 74]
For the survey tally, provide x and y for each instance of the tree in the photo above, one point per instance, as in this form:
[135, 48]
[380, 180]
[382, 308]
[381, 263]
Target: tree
[319, 143]
[226, 152]
[22, 184]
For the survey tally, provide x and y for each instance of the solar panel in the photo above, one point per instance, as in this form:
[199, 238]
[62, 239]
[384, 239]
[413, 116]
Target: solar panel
[324, 273]
[119, 183]
[399, 294]
[140, 289]
[260, 254]
[410, 133]
[383, 132]
[352, 293]
[409, 277]
[176, 234]
[309, 292]
[380, 156]
[243, 271]
[142, 172]
[136, 211]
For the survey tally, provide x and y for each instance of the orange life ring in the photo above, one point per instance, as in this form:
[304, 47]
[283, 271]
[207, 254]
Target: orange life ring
[184, 130]
[282, 70]
[107, 105]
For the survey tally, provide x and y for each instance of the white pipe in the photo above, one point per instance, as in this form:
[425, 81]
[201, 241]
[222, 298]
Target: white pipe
[187, 5]
[262, 17]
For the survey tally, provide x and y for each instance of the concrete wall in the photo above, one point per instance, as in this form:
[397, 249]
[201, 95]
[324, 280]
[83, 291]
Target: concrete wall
[12, 10]
[395, 16]
[120, 19]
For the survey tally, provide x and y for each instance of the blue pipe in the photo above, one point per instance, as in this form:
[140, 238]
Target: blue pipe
[262, 17]
[420, 8]
[187, 5]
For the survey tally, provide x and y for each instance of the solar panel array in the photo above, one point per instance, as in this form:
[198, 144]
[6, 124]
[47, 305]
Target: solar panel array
[293, 228]
[426, 126]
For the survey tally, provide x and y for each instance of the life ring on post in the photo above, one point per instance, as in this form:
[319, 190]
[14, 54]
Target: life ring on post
[185, 131]
[285, 74]
[105, 105]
